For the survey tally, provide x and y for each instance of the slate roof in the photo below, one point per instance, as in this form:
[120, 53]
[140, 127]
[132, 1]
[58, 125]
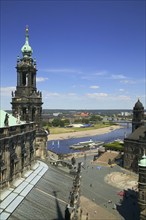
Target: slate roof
[48, 199]
[139, 132]
[12, 119]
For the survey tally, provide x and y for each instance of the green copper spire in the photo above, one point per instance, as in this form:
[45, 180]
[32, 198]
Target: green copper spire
[26, 49]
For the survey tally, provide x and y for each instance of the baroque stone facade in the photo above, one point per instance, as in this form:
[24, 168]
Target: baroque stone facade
[17, 151]
[22, 138]
[142, 187]
[135, 143]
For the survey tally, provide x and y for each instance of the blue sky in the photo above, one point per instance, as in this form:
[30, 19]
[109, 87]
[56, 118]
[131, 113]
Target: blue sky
[90, 54]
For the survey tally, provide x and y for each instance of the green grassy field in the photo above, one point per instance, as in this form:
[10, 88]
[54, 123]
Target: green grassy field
[57, 130]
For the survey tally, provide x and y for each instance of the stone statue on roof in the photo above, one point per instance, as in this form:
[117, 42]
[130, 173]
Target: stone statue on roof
[18, 118]
[6, 121]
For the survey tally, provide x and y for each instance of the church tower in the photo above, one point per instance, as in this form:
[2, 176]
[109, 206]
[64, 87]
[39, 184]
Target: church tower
[138, 115]
[142, 187]
[26, 100]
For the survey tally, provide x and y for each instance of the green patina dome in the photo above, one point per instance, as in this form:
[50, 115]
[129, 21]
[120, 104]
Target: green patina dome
[26, 49]
[142, 162]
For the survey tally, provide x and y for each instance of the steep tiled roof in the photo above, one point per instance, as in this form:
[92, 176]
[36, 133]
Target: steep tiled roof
[12, 119]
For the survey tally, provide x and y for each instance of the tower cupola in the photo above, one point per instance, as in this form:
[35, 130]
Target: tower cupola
[138, 105]
[138, 115]
[26, 49]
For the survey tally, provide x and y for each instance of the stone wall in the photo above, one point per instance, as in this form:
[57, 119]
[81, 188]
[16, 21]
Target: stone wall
[17, 152]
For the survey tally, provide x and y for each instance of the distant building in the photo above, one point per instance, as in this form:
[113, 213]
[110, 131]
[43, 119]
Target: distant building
[135, 143]
[125, 114]
[84, 114]
[56, 114]
[76, 125]
[105, 119]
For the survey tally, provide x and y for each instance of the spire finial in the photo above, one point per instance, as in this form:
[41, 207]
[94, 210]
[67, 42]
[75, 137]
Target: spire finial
[26, 49]
[26, 35]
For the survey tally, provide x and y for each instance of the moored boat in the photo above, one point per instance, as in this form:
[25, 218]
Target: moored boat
[86, 145]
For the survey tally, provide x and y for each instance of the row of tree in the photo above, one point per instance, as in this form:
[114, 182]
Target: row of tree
[58, 122]
[116, 146]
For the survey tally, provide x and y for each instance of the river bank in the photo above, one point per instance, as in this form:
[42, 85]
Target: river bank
[86, 133]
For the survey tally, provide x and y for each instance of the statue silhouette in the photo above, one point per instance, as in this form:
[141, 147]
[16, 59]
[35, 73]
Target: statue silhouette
[6, 121]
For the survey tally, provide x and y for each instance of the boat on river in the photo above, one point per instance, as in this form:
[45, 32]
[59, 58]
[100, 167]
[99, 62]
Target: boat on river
[86, 145]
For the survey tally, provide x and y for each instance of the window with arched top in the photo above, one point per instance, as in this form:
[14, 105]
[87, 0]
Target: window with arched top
[23, 79]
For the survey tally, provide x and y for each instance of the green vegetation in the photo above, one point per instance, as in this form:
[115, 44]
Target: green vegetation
[117, 146]
[59, 130]
[61, 124]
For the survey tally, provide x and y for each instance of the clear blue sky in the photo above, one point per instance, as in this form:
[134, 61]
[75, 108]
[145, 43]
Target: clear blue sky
[90, 54]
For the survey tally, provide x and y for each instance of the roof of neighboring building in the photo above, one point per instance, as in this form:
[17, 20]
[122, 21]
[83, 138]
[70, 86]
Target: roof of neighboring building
[139, 132]
[12, 120]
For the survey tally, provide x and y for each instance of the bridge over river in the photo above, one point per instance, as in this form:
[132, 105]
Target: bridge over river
[123, 122]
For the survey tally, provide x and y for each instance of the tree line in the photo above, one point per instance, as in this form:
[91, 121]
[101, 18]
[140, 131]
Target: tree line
[59, 122]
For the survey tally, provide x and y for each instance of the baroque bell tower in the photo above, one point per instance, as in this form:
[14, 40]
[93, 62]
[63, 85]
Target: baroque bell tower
[26, 100]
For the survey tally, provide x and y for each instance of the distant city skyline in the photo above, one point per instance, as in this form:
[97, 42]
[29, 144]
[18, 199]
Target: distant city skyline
[89, 54]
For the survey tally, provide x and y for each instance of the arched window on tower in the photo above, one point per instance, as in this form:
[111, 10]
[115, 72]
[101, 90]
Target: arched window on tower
[23, 79]
[32, 79]
[26, 79]
[18, 79]
[33, 114]
[24, 113]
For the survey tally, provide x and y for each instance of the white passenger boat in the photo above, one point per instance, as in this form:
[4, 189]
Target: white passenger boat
[86, 144]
